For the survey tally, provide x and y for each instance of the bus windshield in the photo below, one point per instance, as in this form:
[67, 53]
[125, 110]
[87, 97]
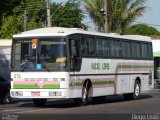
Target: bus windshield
[47, 54]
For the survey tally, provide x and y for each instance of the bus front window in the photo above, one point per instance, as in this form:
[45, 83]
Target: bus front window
[24, 57]
[49, 54]
[52, 54]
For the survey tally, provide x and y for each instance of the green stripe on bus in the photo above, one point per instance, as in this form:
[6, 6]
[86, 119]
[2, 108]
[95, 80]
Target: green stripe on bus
[25, 86]
[94, 83]
[30, 86]
[51, 86]
[137, 66]
[76, 84]
[103, 82]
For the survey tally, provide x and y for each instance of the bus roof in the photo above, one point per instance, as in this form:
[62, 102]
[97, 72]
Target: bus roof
[60, 31]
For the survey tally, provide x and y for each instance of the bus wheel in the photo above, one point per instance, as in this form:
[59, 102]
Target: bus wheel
[135, 95]
[7, 98]
[39, 102]
[84, 100]
[137, 90]
[156, 86]
[100, 99]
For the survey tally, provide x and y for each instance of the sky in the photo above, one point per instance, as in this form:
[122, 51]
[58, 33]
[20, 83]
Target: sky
[151, 17]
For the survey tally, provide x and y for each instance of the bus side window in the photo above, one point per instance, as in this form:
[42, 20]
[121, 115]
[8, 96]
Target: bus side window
[88, 46]
[145, 51]
[75, 59]
[126, 53]
[100, 47]
[150, 51]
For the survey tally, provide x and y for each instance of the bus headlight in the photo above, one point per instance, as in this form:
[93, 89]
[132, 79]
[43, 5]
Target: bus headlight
[17, 93]
[52, 93]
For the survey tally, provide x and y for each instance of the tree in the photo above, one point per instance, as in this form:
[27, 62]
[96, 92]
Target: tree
[10, 21]
[94, 7]
[11, 25]
[67, 15]
[12, 15]
[35, 13]
[142, 29]
[6, 8]
[121, 13]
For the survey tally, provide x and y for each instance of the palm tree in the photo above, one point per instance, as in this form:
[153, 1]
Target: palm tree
[121, 13]
[94, 7]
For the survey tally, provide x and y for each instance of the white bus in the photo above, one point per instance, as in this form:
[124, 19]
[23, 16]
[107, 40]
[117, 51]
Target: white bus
[73, 63]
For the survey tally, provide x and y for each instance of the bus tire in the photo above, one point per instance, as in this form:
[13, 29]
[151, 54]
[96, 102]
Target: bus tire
[39, 102]
[7, 98]
[137, 90]
[99, 99]
[84, 100]
[156, 86]
[135, 95]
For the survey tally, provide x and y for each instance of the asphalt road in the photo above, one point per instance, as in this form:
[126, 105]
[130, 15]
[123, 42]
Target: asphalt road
[114, 107]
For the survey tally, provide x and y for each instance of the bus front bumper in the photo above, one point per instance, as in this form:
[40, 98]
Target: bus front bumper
[39, 93]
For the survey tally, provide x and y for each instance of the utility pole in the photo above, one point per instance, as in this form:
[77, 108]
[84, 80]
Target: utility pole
[48, 13]
[106, 16]
[25, 20]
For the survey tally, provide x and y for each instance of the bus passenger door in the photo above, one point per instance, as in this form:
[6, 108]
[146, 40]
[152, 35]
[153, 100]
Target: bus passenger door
[75, 66]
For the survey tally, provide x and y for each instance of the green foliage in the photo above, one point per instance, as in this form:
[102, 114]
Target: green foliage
[11, 18]
[7, 6]
[94, 7]
[142, 29]
[12, 15]
[36, 13]
[68, 15]
[121, 13]
[10, 25]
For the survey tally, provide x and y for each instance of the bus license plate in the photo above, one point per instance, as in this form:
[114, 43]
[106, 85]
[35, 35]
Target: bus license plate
[35, 93]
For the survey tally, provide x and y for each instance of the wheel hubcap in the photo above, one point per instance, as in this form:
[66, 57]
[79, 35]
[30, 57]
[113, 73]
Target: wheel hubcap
[137, 90]
[85, 95]
[7, 100]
